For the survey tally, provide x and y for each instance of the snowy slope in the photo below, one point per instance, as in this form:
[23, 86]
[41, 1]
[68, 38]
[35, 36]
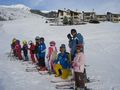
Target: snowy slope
[14, 12]
[102, 49]
[19, 6]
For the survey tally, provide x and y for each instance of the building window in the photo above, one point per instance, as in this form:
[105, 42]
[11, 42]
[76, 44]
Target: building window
[61, 13]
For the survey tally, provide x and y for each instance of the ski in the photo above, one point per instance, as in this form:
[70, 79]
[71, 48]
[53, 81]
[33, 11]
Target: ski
[92, 80]
[60, 81]
[43, 72]
[68, 84]
[89, 81]
[70, 87]
[67, 87]
[31, 70]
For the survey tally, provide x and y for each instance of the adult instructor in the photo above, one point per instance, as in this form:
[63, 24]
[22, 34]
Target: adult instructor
[75, 39]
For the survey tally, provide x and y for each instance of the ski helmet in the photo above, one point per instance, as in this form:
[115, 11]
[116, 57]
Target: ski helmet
[63, 46]
[37, 38]
[52, 43]
[30, 42]
[24, 42]
[14, 40]
[18, 41]
[42, 39]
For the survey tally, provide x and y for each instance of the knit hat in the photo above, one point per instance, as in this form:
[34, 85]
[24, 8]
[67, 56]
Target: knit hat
[73, 30]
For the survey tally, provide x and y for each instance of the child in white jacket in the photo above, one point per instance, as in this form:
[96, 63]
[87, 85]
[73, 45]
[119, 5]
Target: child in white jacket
[78, 67]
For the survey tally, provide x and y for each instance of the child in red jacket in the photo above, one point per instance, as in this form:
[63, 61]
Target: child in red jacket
[18, 50]
[32, 51]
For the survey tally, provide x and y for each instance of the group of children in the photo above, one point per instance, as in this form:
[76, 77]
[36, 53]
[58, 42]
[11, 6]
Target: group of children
[59, 64]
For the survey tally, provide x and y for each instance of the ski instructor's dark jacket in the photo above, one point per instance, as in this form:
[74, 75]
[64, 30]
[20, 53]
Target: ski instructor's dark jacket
[78, 39]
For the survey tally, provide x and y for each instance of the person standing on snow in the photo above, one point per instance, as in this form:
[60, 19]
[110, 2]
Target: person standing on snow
[18, 50]
[25, 50]
[32, 51]
[13, 47]
[37, 40]
[75, 39]
[51, 56]
[41, 54]
[78, 67]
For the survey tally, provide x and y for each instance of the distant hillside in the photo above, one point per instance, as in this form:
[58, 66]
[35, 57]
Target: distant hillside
[50, 14]
[13, 12]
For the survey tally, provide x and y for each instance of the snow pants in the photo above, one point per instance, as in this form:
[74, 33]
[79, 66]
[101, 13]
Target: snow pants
[41, 62]
[33, 58]
[64, 73]
[79, 80]
[51, 65]
[19, 55]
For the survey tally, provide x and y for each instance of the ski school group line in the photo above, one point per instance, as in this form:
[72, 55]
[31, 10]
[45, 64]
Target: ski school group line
[59, 64]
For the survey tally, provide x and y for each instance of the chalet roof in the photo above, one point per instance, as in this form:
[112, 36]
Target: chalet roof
[113, 13]
[116, 14]
[101, 15]
[68, 10]
[88, 12]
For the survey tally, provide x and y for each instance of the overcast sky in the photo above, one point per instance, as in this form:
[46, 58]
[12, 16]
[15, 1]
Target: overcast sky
[100, 6]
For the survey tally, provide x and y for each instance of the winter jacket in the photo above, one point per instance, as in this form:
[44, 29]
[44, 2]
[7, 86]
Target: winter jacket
[36, 48]
[32, 49]
[25, 49]
[78, 39]
[79, 62]
[18, 51]
[52, 53]
[41, 50]
[63, 60]
[18, 48]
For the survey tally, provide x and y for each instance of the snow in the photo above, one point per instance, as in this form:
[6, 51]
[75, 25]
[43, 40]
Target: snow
[19, 6]
[102, 51]
[47, 11]
[13, 12]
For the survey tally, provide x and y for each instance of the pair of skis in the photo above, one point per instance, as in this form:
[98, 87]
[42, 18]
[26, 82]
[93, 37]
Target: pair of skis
[35, 69]
[69, 84]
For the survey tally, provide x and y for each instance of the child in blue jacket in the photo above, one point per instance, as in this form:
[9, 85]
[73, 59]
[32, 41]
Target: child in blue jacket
[62, 64]
[41, 54]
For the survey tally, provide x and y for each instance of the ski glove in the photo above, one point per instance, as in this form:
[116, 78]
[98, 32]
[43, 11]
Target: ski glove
[69, 37]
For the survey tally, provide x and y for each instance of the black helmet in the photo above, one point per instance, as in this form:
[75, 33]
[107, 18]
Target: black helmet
[42, 39]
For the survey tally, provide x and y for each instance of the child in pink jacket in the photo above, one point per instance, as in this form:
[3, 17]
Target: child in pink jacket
[51, 56]
[78, 67]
